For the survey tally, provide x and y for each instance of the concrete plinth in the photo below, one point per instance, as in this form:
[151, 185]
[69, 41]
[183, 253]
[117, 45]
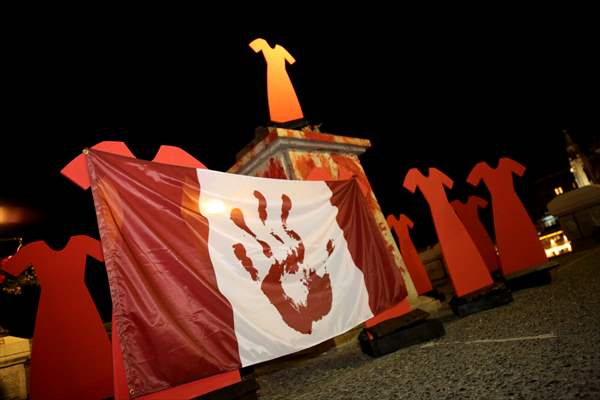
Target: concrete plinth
[15, 354]
[293, 154]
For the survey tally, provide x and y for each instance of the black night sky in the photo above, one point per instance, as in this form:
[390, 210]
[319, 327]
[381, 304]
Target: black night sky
[446, 98]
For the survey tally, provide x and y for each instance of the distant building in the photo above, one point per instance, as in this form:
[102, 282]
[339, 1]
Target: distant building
[546, 189]
[576, 206]
[581, 167]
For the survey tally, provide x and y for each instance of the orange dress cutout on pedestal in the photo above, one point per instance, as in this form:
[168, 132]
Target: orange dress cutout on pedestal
[283, 102]
[71, 352]
[516, 236]
[465, 265]
[469, 215]
[415, 266]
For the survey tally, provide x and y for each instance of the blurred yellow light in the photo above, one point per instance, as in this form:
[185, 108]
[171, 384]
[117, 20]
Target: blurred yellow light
[556, 250]
[556, 243]
[552, 235]
[11, 215]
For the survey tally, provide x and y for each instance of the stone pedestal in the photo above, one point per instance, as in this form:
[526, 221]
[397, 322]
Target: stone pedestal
[15, 354]
[293, 154]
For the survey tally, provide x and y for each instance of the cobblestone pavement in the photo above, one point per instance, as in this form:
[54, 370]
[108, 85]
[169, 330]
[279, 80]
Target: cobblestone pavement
[544, 345]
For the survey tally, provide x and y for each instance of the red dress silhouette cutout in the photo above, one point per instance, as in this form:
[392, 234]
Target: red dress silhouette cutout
[469, 215]
[77, 172]
[466, 267]
[3, 262]
[176, 156]
[516, 237]
[283, 102]
[415, 266]
[71, 356]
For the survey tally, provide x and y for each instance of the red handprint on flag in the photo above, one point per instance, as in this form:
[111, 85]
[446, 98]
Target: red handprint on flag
[298, 315]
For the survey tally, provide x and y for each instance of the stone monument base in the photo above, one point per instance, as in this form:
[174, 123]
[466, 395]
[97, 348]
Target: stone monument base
[15, 354]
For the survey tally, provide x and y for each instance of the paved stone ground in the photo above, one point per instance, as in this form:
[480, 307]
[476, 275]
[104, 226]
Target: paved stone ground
[544, 345]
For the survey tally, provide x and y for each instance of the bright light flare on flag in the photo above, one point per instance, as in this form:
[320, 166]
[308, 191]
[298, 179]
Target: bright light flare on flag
[212, 206]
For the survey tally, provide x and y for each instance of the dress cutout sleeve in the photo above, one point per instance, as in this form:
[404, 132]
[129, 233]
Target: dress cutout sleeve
[478, 201]
[443, 178]
[392, 221]
[25, 257]
[404, 220]
[476, 173]
[288, 57]
[176, 156]
[512, 165]
[410, 180]
[76, 170]
[258, 44]
[90, 246]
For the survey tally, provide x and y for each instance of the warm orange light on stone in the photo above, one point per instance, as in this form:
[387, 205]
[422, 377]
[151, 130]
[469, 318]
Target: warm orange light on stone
[283, 102]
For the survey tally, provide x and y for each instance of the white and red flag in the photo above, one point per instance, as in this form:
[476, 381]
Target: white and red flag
[212, 271]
